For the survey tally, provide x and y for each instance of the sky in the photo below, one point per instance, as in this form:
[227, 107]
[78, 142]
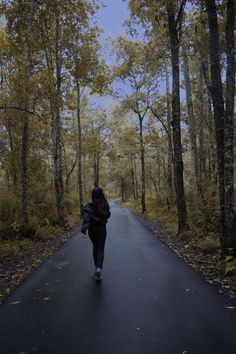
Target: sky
[110, 19]
[112, 16]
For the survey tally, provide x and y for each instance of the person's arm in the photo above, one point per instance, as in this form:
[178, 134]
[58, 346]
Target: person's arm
[109, 213]
[85, 223]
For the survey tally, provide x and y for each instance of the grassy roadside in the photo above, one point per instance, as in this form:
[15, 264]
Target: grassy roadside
[201, 234]
[20, 256]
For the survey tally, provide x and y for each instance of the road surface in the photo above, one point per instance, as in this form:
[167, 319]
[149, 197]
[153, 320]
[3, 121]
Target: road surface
[149, 301]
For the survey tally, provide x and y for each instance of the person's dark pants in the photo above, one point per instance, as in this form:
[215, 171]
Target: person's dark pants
[97, 234]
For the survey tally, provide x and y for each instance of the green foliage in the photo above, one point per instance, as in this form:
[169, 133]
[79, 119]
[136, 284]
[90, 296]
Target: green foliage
[45, 232]
[72, 208]
[230, 265]
[209, 244]
[10, 248]
[9, 208]
[203, 210]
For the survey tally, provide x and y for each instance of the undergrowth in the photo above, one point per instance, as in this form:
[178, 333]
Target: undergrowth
[203, 220]
[43, 225]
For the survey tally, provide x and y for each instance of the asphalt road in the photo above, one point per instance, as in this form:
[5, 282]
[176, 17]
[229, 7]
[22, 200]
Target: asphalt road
[149, 301]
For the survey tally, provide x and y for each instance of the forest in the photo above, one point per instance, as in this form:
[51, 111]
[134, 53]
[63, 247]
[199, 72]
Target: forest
[164, 144]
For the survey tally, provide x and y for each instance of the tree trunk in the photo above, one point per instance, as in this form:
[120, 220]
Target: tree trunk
[68, 174]
[25, 130]
[122, 189]
[96, 163]
[176, 130]
[98, 170]
[212, 144]
[170, 148]
[79, 150]
[84, 174]
[136, 179]
[191, 121]
[202, 154]
[229, 233]
[25, 170]
[13, 157]
[142, 157]
[218, 104]
[153, 182]
[132, 178]
[58, 164]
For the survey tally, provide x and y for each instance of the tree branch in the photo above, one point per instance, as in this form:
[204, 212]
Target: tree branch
[19, 109]
[180, 13]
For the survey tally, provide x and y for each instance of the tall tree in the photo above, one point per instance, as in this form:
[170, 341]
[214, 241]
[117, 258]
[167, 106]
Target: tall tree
[175, 16]
[230, 222]
[157, 14]
[223, 118]
[137, 70]
[191, 120]
[25, 134]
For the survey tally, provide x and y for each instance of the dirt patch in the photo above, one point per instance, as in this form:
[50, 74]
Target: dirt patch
[14, 269]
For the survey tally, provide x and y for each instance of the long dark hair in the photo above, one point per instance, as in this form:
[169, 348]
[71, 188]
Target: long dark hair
[99, 201]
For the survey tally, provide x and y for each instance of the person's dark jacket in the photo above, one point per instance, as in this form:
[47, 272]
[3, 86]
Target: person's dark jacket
[93, 217]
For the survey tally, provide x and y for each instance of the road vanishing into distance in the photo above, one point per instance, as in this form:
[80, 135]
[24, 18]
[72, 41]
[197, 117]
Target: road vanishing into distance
[148, 302]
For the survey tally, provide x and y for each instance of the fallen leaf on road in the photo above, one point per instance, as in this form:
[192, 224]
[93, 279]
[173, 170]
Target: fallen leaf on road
[15, 303]
[230, 307]
[187, 290]
[46, 298]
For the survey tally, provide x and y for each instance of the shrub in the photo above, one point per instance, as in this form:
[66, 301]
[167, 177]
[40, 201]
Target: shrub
[209, 244]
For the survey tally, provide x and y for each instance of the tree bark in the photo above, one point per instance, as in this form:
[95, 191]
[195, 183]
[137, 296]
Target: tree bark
[142, 160]
[98, 170]
[176, 130]
[153, 181]
[202, 153]
[122, 185]
[229, 233]
[53, 57]
[170, 148]
[212, 143]
[58, 164]
[25, 129]
[132, 177]
[96, 167]
[13, 157]
[218, 104]
[136, 179]
[79, 149]
[191, 121]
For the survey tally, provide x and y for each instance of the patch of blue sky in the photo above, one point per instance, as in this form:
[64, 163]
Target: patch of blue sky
[111, 19]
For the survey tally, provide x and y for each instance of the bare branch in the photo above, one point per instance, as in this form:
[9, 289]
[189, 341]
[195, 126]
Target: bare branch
[19, 109]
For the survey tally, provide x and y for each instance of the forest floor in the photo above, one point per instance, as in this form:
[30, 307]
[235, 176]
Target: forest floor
[209, 264]
[17, 267]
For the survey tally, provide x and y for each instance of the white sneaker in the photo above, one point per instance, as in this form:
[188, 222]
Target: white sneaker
[98, 273]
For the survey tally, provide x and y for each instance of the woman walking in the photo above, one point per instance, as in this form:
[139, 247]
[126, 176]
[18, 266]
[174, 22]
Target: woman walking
[95, 218]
